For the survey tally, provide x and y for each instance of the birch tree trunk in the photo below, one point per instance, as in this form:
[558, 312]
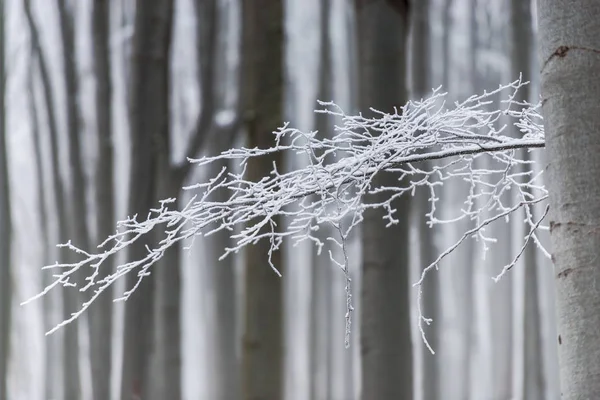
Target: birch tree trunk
[5, 229]
[387, 360]
[570, 85]
[149, 122]
[101, 311]
[263, 346]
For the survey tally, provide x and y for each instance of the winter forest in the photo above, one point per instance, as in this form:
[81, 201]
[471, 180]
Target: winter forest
[299, 199]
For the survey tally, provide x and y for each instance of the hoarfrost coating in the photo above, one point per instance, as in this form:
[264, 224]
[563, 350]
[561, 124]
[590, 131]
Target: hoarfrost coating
[331, 188]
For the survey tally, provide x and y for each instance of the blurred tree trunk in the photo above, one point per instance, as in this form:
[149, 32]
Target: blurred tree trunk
[501, 315]
[521, 35]
[469, 254]
[76, 197]
[215, 139]
[263, 49]
[71, 385]
[226, 367]
[322, 281]
[421, 87]
[81, 235]
[447, 33]
[387, 359]
[51, 362]
[101, 311]
[5, 228]
[149, 124]
[166, 373]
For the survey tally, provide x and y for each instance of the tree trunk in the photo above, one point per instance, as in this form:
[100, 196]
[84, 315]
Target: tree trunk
[5, 230]
[446, 58]
[263, 347]
[421, 78]
[321, 278]
[81, 235]
[51, 361]
[387, 360]
[166, 372]
[211, 57]
[226, 368]
[76, 198]
[533, 379]
[149, 122]
[569, 43]
[101, 310]
[71, 385]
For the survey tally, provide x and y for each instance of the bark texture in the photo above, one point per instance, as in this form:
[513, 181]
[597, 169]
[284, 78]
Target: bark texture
[387, 361]
[263, 346]
[570, 86]
[5, 230]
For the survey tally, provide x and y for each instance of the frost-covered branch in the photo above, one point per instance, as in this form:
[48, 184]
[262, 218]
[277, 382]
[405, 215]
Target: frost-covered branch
[467, 139]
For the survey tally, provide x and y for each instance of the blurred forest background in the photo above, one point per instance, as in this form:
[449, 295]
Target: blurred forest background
[103, 100]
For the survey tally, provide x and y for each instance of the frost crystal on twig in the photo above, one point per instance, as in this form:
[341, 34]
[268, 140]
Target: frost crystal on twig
[331, 188]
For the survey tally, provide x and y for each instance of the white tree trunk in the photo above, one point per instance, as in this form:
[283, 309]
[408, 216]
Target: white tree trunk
[570, 61]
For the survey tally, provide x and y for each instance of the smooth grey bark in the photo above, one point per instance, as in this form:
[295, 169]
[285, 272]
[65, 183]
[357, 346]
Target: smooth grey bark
[71, 384]
[521, 35]
[386, 348]
[5, 228]
[149, 124]
[263, 344]
[100, 313]
[421, 87]
[321, 312]
[569, 57]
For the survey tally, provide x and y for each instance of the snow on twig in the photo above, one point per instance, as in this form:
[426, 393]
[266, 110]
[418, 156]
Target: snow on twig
[331, 189]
